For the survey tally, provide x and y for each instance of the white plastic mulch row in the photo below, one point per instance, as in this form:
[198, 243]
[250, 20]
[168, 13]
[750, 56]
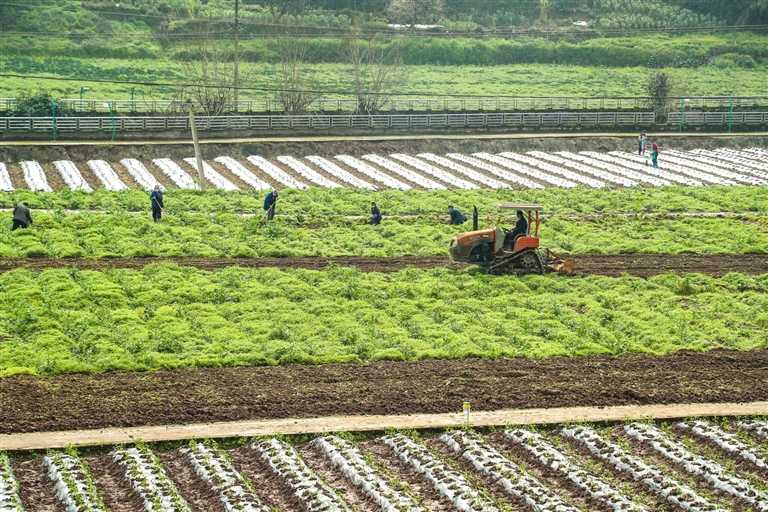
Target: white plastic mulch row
[553, 169]
[348, 459]
[642, 177]
[179, 176]
[149, 480]
[551, 457]
[506, 474]
[644, 474]
[503, 173]
[307, 172]
[5, 179]
[463, 170]
[401, 171]
[757, 428]
[579, 167]
[433, 171]
[71, 175]
[514, 171]
[276, 173]
[34, 175]
[213, 466]
[740, 174]
[725, 441]
[212, 175]
[685, 160]
[337, 172]
[9, 487]
[242, 172]
[734, 160]
[139, 172]
[448, 482]
[371, 172]
[307, 486]
[668, 166]
[73, 483]
[107, 175]
[707, 470]
[643, 168]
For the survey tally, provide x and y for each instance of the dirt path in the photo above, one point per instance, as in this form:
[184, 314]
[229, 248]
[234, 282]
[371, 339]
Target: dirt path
[122, 399]
[641, 265]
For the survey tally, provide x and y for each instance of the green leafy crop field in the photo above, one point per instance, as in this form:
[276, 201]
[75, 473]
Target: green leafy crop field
[95, 235]
[316, 202]
[333, 223]
[59, 321]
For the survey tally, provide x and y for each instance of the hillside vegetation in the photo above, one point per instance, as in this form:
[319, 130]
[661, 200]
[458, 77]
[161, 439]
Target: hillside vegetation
[155, 40]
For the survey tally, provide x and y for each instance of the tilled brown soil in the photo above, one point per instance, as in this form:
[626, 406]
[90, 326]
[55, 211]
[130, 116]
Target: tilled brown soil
[29, 404]
[642, 265]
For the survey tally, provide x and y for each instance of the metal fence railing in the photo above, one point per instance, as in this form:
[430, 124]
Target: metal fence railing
[418, 104]
[397, 122]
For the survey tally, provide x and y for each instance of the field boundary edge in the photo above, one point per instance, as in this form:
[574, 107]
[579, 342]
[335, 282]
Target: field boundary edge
[320, 425]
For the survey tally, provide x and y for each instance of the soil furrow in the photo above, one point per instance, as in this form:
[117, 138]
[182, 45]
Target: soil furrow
[121, 399]
[35, 488]
[198, 493]
[640, 265]
[112, 485]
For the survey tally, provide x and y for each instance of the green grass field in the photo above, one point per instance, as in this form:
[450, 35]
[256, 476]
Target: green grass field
[508, 80]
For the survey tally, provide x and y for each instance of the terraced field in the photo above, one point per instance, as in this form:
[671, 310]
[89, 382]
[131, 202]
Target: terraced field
[691, 465]
[423, 171]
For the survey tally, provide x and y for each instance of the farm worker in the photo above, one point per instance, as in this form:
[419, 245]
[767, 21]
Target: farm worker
[521, 228]
[655, 154]
[456, 216]
[642, 142]
[156, 198]
[270, 204]
[375, 215]
[22, 217]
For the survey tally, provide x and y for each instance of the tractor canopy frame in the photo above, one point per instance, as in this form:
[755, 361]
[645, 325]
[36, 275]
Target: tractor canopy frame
[531, 211]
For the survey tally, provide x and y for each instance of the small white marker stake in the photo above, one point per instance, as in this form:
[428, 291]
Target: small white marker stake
[467, 407]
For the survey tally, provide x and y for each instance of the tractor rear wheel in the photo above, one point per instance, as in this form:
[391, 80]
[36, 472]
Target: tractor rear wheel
[529, 262]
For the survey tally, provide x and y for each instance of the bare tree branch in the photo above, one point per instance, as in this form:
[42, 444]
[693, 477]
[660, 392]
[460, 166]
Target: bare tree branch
[292, 78]
[377, 72]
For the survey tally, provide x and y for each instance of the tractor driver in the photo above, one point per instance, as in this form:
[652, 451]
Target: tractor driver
[521, 228]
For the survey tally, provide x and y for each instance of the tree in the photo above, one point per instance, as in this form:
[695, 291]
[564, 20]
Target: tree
[210, 67]
[658, 88]
[414, 12]
[280, 8]
[292, 82]
[376, 73]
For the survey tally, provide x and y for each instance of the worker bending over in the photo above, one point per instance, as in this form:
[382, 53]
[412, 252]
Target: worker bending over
[521, 229]
[457, 217]
[22, 216]
[375, 215]
[156, 199]
[270, 204]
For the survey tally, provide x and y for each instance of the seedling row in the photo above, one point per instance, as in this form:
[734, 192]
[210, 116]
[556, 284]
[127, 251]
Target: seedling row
[690, 465]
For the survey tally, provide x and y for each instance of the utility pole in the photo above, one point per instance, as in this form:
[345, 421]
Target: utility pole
[196, 143]
[237, 52]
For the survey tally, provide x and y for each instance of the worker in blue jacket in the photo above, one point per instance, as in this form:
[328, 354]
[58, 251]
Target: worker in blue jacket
[270, 204]
[156, 200]
[457, 217]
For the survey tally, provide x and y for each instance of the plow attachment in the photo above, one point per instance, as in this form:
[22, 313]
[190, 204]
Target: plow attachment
[553, 263]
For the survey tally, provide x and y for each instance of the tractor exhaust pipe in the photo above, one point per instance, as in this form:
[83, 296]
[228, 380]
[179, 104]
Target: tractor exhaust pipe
[475, 219]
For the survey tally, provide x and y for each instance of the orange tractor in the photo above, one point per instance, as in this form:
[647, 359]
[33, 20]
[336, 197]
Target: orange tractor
[502, 251]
